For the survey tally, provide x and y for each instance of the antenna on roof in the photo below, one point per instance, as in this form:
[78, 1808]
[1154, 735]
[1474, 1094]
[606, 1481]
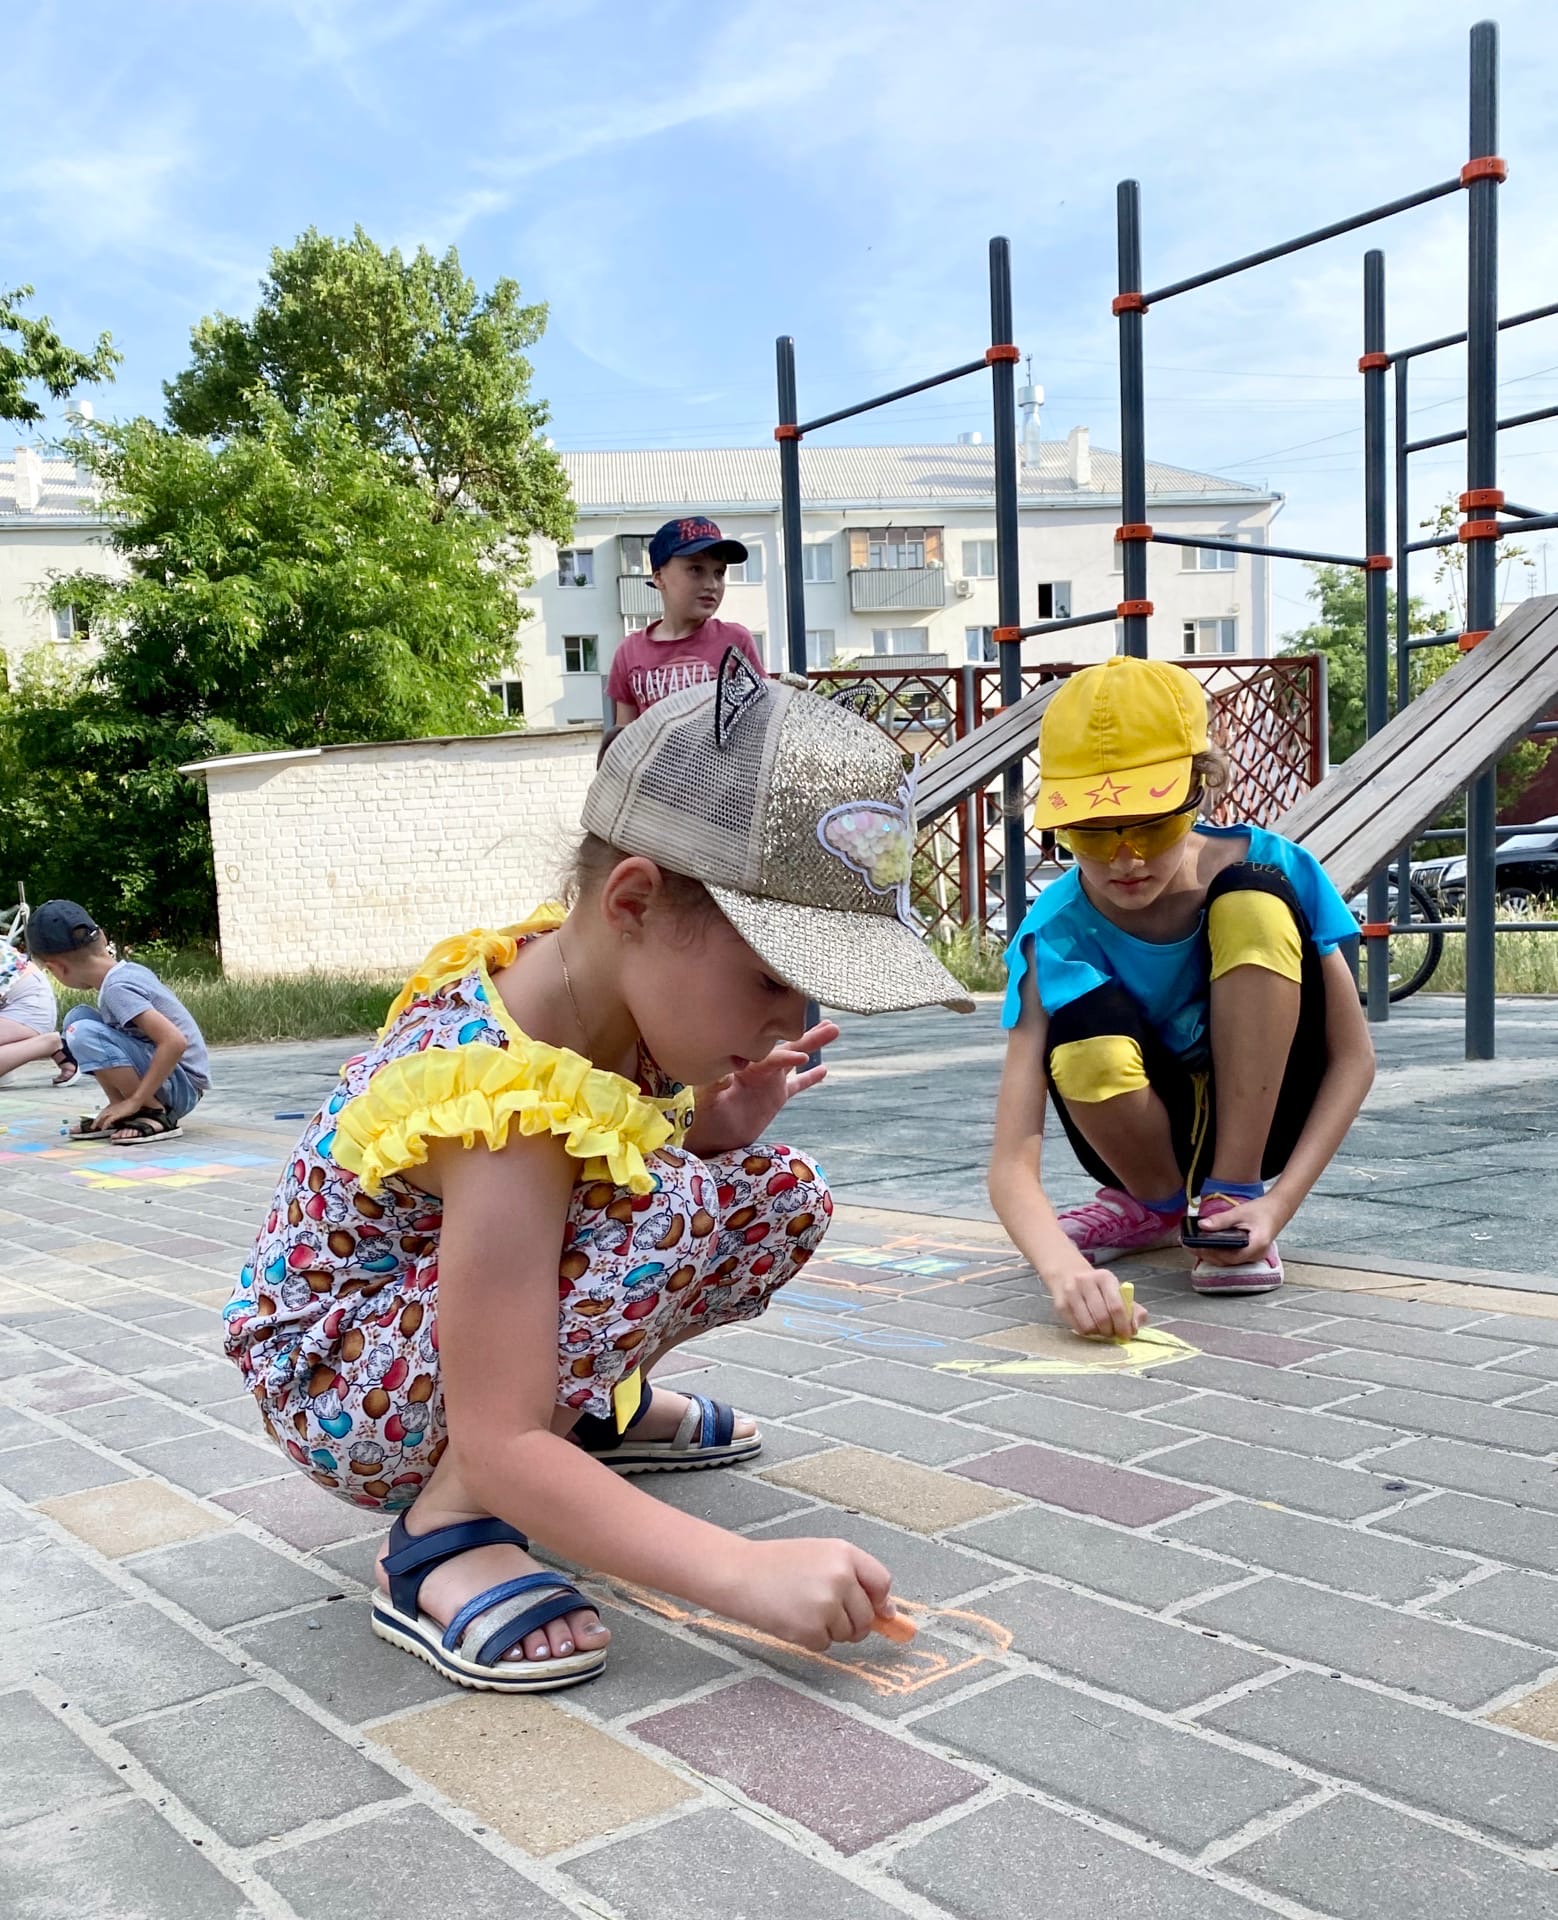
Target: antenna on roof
[1030, 399]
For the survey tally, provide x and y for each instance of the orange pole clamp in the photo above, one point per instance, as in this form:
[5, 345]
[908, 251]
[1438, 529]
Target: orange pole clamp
[1127, 303]
[1377, 929]
[1482, 530]
[787, 433]
[1482, 497]
[1488, 167]
[1006, 636]
[1469, 640]
[1127, 607]
[995, 355]
[1378, 563]
[1373, 362]
[1133, 530]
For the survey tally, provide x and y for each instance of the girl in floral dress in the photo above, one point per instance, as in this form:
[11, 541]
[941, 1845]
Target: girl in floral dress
[514, 1203]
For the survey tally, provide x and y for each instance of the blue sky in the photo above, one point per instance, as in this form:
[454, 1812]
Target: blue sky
[680, 181]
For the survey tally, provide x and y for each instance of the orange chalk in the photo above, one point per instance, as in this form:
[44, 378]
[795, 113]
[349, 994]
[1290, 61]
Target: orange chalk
[895, 1626]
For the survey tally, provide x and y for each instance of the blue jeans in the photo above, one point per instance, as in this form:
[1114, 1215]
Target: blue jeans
[94, 1045]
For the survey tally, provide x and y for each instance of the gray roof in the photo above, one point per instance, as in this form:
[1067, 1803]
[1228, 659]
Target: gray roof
[68, 495]
[726, 478]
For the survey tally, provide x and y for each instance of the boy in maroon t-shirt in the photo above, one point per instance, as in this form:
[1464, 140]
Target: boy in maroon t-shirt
[685, 646]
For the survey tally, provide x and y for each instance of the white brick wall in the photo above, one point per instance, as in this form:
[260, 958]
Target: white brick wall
[358, 859]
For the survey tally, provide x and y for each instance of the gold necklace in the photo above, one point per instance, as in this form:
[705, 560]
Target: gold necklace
[578, 1018]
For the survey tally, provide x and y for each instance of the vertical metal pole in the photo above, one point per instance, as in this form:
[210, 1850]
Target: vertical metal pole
[968, 809]
[1375, 639]
[1008, 587]
[1403, 606]
[1133, 421]
[1481, 555]
[790, 510]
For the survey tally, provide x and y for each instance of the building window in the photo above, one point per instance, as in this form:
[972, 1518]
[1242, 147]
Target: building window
[510, 694]
[817, 564]
[581, 654]
[68, 624]
[1054, 599]
[1208, 559]
[897, 639]
[979, 559]
[746, 572]
[633, 554]
[896, 547]
[1211, 636]
[760, 641]
[979, 645]
[820, 649]
[576, 566]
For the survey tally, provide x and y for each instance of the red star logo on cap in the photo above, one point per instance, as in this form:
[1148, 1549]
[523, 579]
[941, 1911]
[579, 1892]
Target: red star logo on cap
[1107, 793]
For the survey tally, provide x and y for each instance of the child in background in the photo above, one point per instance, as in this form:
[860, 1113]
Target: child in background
[140, 1042]
[511, 1209]
[1181, 994]
[685, 646]
[29, 1019]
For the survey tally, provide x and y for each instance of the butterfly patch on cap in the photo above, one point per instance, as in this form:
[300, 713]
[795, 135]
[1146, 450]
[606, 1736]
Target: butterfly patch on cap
[876, 841]
[739, 689]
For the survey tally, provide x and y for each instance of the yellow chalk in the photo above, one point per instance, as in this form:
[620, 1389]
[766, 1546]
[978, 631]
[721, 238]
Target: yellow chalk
[1128, 1295]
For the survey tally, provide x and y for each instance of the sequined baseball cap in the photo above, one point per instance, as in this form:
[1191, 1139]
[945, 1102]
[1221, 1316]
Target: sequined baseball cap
[798, 816]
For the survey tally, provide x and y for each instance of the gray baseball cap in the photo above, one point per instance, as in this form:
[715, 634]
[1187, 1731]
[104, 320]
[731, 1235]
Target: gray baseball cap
[798, 816]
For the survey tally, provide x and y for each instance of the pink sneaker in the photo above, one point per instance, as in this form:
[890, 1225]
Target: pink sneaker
[1263, 1275]
[1113, 1223]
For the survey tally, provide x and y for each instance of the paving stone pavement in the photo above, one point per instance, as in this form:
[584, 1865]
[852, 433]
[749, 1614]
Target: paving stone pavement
[1269, 1627]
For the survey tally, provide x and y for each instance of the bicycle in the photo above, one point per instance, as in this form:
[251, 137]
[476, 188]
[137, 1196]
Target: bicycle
[1416, 950]
[13, 923]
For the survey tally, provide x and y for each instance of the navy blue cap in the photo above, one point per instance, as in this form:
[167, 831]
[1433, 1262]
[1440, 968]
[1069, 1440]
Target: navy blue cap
[60, 926]
[696, 535]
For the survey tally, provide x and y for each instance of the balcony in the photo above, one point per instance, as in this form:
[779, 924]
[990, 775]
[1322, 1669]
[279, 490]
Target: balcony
[638, 597]
[583, 701]
[897, 589]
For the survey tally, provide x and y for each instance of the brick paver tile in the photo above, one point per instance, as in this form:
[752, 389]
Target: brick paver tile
[1166, 1665]
[541, 1778]
[1126, 1565]
[123, 1659]
[1247, 1380]
[212, 1461]
[895, 1430]
[54, 1467]
[228, 1578]
[63, 1389]
[1114, 1392]
[1420, 1343]
[1471, 1773]
[1480, 1526]
[1158, 1779]
[910, 1386]
[1352, 1856]
[125, 1860]
[1317, 1436]
[1313, 1486]
[1234, 1343]
[896, 1490]
[768, 1352]
[198, 1384]
[1065, 1423]
[252, 1766]
[649, 1667]
[1523, 1605]
[1536, 1714]
[44, 1767]
[303, 1515]
[137, 1420]
[768, 1395]
[1422, 1376]
[847, 1782]
[415, 1863]
[974, 1867]
[1402, 1650]
[737, 1499]
[1435, 1413]
[711, 1864]
[1318, 1550]
[1455, 1464]
[331, 1654]
[1082, 1486]
[42, 1581]
[131, 1516]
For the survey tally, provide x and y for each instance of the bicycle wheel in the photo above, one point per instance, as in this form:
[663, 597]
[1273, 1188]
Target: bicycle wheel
[1416, 951]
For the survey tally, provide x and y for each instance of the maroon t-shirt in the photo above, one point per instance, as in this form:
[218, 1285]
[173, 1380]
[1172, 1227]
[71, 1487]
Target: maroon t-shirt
[647, 668]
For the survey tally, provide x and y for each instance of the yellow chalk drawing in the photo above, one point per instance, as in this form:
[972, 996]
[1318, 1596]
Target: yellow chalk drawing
[898, 1671]
[1062, 1352]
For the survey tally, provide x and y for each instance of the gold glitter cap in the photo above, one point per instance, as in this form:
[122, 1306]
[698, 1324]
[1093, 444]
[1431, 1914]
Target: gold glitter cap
[798, 816]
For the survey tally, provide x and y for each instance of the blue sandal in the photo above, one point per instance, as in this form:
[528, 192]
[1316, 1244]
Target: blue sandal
[706, 1437]
[470, 1649]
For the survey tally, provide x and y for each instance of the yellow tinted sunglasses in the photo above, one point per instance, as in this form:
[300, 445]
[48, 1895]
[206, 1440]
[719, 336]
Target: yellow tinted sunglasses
[1145, 838]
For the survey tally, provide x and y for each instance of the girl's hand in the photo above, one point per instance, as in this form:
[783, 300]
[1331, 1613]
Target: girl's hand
[1088, 1299]
[809, 1592]
[740, 1108]
[1261, 1219]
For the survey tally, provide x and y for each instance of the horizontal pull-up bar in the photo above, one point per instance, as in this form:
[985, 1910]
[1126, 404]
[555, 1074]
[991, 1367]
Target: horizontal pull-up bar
[1439, 540]
[1243, 546]
[1459, 339]
[1450, 439]
[1005, 635]
[1521, 513]
[898, 393]
[1440, 192]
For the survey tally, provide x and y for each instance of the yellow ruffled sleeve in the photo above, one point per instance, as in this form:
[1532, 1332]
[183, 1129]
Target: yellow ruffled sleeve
[479, 1092]
[462, 953]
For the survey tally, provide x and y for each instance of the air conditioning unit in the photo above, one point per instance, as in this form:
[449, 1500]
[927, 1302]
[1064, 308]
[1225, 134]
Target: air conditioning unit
[964, 589]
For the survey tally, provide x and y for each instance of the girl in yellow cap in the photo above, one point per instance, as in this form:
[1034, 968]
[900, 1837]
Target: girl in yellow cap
[1181, 996]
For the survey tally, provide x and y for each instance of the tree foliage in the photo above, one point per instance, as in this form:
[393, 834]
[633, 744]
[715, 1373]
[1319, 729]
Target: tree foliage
[427, 369]
[33, 355]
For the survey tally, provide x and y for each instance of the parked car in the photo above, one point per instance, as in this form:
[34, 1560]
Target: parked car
[1526, 869]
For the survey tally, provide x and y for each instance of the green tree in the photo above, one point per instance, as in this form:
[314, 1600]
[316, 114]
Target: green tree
[33, 355]
[1338, 633]
[427, 369]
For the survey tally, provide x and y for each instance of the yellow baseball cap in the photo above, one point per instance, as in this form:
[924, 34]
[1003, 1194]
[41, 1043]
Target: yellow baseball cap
[1119, 739]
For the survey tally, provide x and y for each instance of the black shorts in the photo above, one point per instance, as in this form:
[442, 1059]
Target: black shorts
[1188, 1092]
